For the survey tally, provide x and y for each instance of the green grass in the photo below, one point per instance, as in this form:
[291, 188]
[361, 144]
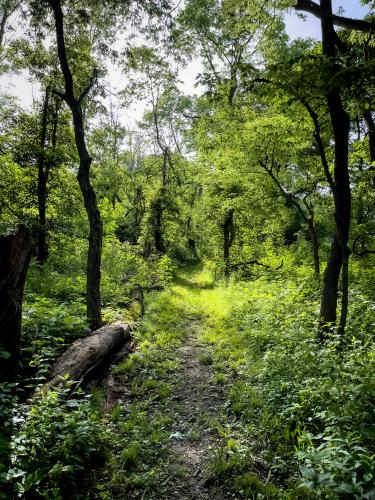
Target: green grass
[140, 425]
[279, 384]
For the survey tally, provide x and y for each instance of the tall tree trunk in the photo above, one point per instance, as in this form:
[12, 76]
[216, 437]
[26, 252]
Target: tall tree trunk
[96, 226]
[157, 221]
[83, 176]
[42, 249]
[367, 115]
[158, 205]
[328, 304]
[3, 21]
[228, 236]
[7, 9]
[15, 253]
[341, 192]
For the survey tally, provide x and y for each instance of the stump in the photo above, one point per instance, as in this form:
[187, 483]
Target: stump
[15, 253]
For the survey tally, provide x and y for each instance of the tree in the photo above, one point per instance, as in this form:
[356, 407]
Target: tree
[154, 80]
[15, 253]
[83, 175]
[7, 9]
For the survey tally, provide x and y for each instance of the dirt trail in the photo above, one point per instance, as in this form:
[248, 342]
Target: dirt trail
[182, 465]
[196, 398]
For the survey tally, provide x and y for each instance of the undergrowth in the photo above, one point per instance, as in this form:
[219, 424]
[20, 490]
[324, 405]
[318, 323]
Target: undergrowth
[48, 443]
[299, 415]
[298, 421]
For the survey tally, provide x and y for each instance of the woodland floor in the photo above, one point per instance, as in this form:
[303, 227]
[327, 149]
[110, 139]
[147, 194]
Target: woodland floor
[196, 398]
[168, 399]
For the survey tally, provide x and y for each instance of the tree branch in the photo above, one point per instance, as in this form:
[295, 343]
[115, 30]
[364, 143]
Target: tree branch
[344, 22]
[287, 196]
[92, 82]
[256, 262]
[363, 252]
[59, 94]
[61, 49]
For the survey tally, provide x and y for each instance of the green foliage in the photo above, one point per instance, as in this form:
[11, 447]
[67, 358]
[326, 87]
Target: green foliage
[58, 438]
[8, 401]
[49, 325]
[254, 148]
[298, 407]
[250, 486]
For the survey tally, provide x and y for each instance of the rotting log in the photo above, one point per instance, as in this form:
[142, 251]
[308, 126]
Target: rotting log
[87, 354]
[88, 357]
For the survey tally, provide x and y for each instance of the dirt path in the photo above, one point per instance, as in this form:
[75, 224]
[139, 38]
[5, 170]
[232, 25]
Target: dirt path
[195, 400]
[170, 406]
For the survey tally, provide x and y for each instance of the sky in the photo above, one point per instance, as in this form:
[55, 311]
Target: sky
[297, 27]
[20, 86]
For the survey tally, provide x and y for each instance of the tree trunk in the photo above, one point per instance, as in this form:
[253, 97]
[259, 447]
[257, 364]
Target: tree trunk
[341, 193]
[328, 305]
[42, 249]
[228, 236]
[3, 21]
[15, 253]
[96, 227]
[193, 248]
[371, 134]
[315, 246]
[345, 296]
[89, 355]
[83, 176]
[157, 216]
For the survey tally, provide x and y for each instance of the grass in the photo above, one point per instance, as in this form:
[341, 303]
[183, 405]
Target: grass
[141, 437]
[260, 344]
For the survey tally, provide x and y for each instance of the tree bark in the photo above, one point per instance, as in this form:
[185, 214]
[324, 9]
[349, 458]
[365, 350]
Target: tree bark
[83, 176]
[315, 246]
[86, 354]
[193, 248]
[15, 253]
[83, 359]
[157, 221]
[341, 190]
[228, 237]
[367, 115]
[42, 248]
[345, 22]
[8, 8]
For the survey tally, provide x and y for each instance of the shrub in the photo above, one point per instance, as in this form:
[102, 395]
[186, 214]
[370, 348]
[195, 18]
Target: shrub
[58, 437]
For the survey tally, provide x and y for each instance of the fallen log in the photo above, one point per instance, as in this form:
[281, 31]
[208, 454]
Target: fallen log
[86, 354]
[89, 356]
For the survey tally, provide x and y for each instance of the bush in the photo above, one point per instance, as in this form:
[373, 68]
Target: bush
[57, 439]
[306, 411]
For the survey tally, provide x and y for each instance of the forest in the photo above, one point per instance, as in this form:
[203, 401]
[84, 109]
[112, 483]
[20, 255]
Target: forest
[187, 293]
